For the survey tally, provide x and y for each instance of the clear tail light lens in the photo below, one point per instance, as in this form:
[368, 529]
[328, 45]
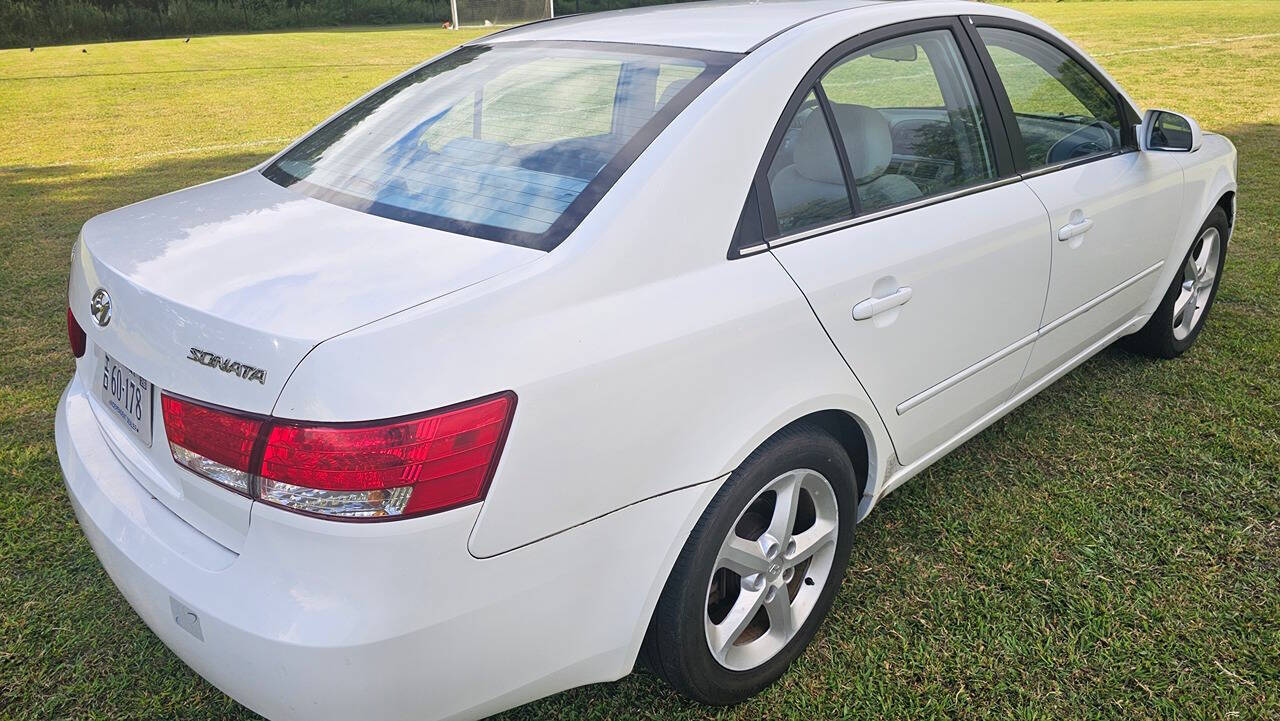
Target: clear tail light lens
[370, 470]
[75, 335]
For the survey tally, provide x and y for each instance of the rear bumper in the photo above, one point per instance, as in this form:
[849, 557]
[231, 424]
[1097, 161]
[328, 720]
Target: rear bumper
[324, 620]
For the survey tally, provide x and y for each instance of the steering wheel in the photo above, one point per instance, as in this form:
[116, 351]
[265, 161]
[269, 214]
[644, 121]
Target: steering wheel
[1081, 142]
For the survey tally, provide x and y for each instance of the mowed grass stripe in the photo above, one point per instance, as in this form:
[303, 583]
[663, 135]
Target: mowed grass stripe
[1110, 550]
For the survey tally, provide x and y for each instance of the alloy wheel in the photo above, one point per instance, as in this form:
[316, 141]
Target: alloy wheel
[1198, 276]
[771, 569]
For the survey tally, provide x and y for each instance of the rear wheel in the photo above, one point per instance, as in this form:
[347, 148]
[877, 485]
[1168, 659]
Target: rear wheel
[759, 571]
[1182, 313]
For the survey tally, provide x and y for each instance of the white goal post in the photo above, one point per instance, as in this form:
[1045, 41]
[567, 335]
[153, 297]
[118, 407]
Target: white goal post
[473, 13]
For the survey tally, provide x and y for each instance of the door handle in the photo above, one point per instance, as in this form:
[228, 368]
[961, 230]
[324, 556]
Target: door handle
[874, 306]
[1071, 230]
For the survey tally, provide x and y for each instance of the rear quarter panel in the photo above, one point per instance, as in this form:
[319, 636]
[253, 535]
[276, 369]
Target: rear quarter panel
[622, 397]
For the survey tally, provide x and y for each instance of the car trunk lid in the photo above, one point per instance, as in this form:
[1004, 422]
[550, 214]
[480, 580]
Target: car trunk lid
[217, 292]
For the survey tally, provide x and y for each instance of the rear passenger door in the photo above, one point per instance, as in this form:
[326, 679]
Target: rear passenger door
[920, 251]
[1113, 210]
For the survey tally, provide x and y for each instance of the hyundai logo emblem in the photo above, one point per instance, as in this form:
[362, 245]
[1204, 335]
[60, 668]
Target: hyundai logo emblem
[100, 307]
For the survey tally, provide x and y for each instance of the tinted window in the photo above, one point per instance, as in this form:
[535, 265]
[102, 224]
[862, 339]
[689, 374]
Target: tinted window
[497, 141]
[805, 177]
[910, 120]
[672, 78]
[1062, 111]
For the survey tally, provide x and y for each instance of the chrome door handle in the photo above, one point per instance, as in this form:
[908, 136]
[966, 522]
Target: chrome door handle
[1071, 230]
[874, 306]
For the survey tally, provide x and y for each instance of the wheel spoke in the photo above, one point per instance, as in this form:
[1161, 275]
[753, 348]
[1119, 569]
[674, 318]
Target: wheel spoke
[810, 541]
[781, 619]
[1206, 252]
[1205, 259]
[741, 556]
[723, 634]
[1205, 282]
[1184, 306]
[784, 510]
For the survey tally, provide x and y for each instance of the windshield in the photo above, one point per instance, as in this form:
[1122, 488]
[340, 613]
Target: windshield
[513, 142]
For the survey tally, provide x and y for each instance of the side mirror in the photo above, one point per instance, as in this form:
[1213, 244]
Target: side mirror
[1166, 130]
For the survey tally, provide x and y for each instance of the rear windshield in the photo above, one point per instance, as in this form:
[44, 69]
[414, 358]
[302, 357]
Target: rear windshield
[513, 142]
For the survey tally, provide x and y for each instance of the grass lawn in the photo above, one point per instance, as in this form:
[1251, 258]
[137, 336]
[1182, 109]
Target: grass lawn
[1111, 549]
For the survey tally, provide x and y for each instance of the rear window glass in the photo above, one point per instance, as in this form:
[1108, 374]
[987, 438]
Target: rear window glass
[513, 142]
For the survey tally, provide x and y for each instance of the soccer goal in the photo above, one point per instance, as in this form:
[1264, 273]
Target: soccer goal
[471, 13]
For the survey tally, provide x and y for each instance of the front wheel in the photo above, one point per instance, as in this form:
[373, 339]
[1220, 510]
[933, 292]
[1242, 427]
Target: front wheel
[759, 571]
[1182, 313]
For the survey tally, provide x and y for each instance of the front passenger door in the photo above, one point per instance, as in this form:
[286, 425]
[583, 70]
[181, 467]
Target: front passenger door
[921, 254]
[1113, 210]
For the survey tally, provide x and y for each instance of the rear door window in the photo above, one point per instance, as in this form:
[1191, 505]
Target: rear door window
[906, 116]
[806, 181]
[910, 119]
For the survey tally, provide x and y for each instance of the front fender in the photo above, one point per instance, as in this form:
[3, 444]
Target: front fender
[1208, 174]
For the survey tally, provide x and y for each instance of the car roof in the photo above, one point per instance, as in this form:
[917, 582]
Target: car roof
[725, 25]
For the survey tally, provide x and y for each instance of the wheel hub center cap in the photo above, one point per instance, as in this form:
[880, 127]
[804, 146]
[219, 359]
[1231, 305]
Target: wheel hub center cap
[775, 570]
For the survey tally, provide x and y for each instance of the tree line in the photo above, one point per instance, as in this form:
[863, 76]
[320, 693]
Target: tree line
[30, 23]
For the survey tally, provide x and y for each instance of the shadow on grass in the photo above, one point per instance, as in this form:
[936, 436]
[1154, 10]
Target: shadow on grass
[41, 211]
[74, 192]
[51, 202]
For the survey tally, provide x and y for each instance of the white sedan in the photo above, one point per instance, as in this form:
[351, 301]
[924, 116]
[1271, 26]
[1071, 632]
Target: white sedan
[590, 342]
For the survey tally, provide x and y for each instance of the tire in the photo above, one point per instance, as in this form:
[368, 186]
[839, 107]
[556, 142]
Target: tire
[704, 598]
[1169, 332]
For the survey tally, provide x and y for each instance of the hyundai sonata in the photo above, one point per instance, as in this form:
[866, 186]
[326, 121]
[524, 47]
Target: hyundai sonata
[590, 342]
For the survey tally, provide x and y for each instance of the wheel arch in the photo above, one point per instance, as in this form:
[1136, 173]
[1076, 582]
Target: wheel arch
[856, 426]
[851, 435]
[1228, 204]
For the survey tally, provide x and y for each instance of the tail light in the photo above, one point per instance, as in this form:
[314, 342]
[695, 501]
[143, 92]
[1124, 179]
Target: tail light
[214, 442]
[377, 470]
[75, 335]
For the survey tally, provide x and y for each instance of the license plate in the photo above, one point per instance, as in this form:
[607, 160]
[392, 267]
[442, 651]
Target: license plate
[127, 397]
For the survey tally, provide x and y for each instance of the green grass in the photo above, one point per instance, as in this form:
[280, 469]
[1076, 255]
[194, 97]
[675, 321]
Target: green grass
[1112, 549]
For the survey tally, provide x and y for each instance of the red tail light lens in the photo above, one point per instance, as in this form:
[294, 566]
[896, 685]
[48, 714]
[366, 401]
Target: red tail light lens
[375, 470]
[429, 462]
[215, 443]
[75, 335]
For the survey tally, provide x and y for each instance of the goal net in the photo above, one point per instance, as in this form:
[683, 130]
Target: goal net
[470, 13]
